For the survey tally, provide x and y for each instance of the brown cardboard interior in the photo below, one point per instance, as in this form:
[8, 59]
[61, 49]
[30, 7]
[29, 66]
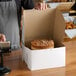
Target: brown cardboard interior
[43, 24]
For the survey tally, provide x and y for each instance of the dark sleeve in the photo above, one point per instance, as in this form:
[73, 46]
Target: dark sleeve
[27, 4]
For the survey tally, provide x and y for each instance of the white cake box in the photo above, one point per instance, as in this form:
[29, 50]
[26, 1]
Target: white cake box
[44, 24]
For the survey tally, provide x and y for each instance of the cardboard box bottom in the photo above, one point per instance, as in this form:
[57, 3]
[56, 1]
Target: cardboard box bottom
[45, 58]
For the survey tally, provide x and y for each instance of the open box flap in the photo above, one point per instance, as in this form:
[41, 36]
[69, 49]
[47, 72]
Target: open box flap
[41, 24]
[59, 27]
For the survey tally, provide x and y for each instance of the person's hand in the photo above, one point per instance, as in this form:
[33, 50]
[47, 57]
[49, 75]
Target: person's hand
[2, 38]
[40, 6]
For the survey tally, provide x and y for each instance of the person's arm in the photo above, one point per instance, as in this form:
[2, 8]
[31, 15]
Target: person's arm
[27, 4]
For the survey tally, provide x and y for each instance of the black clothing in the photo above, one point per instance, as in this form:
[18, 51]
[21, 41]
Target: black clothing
[26, 4]
[74, 6]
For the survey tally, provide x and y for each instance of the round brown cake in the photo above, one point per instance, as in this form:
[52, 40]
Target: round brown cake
[42, 44]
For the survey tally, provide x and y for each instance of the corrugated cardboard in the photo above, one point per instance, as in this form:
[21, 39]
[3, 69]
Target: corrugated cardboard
[44, 24]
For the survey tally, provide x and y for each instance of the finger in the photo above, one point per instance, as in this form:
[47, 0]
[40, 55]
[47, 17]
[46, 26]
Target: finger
[41, 6]
[45, 6]
[37, 6]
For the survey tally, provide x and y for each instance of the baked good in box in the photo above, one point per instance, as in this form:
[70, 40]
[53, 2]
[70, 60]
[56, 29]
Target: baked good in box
[69, 25]
[42, 44]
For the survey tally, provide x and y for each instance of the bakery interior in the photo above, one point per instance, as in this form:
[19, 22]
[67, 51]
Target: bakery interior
[20, 67]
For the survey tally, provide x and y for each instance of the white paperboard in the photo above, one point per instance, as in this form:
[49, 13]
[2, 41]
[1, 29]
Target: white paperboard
[48, 24]
[43, 59]
[71, 33]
